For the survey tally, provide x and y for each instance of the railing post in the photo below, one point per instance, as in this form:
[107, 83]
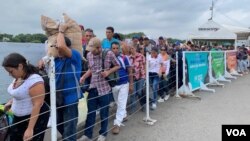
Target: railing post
[177, 75]
[53, 99]
[147, 87]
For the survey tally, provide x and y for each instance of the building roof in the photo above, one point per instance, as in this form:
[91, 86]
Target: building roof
[236, 29]
[213, 31]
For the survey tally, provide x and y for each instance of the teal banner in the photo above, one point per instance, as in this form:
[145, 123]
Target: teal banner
[197, 68]
[218, 65]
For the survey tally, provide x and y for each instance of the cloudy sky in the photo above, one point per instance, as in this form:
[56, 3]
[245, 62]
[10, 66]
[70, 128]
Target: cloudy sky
[169, 18]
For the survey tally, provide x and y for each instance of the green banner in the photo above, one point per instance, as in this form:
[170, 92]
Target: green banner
[218, 65]
[197, 68]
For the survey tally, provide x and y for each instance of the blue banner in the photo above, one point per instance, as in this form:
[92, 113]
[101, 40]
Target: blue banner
[197, 68]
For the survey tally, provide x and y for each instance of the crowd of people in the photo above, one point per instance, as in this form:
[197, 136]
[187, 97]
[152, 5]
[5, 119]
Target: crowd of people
[111, 71]
[128, 60]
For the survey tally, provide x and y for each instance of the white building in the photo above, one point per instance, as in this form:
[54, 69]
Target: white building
[243, 34]
[212, 32]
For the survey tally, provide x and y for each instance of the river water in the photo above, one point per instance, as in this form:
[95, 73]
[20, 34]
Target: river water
[31, 51]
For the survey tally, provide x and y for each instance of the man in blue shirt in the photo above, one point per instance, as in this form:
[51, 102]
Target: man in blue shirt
[122, 88]
[67, 67]
[106, 43]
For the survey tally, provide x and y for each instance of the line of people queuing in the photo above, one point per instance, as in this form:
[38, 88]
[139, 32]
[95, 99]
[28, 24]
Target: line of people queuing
[103, 59]
[129, 61]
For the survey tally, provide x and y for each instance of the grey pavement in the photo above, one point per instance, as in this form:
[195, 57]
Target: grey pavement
[193, 120]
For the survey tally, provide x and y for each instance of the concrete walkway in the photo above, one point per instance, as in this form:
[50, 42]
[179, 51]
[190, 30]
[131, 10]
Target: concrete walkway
[193, 120]
[189, 119]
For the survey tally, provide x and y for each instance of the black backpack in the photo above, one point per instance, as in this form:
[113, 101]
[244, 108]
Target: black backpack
[3, 124]
[45, 77]
[113, 77]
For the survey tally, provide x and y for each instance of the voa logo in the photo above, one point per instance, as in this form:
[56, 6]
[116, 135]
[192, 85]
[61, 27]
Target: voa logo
[236, 132]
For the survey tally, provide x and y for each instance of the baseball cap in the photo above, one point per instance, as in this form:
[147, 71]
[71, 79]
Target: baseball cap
[135, 37]
[94, 42]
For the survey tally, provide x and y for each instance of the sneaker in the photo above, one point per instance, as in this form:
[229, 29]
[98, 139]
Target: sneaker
[116, 129]
[166, 97]
[84, 138]
[160, 100]
[125, 119]
[101, 138]
[153, 107]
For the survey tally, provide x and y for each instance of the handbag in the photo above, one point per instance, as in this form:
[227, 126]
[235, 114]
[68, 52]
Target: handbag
[3, 124]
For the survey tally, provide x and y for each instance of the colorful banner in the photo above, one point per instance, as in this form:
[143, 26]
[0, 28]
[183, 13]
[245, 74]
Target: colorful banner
[218, 65]
[231, 61]
[197, 68]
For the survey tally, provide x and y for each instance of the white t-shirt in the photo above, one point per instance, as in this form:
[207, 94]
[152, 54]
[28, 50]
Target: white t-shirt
[22, 104]
[154, 64]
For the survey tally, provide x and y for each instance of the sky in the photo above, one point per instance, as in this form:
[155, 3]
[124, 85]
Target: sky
[168, 18]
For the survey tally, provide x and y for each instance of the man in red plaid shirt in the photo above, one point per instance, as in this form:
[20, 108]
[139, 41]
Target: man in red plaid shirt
[99, 88]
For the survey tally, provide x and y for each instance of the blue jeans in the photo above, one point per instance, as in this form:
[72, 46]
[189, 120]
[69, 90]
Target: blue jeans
[138, 88]
[154, 83]
[95, 101]
[163, 87]
[69, 115]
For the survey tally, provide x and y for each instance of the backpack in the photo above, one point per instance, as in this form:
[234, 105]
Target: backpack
[85, 86]
[45, 77]
[113, 78]
[3, 123]
[245, 56]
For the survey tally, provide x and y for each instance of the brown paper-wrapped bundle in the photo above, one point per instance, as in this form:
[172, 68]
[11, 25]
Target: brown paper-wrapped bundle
[73, 32]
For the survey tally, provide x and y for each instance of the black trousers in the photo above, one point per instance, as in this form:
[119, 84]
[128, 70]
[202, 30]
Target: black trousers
[17, 131]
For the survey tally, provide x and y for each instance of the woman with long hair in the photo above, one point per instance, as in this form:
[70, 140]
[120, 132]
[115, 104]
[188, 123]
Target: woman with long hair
[164, 71]
[28, 92]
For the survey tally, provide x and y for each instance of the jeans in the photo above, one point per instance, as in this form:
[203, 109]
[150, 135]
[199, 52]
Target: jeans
[242, 65]
[69, 115]
[138, 88]
[120, 93]
[95, 101]
[154, 83]
[163, 87]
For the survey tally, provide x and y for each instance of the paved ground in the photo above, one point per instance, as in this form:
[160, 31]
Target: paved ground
[192, 120]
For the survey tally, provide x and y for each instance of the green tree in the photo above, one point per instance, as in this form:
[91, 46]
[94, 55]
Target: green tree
[130, 35]
[4, 35]
[25, 38]
[173, 40]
